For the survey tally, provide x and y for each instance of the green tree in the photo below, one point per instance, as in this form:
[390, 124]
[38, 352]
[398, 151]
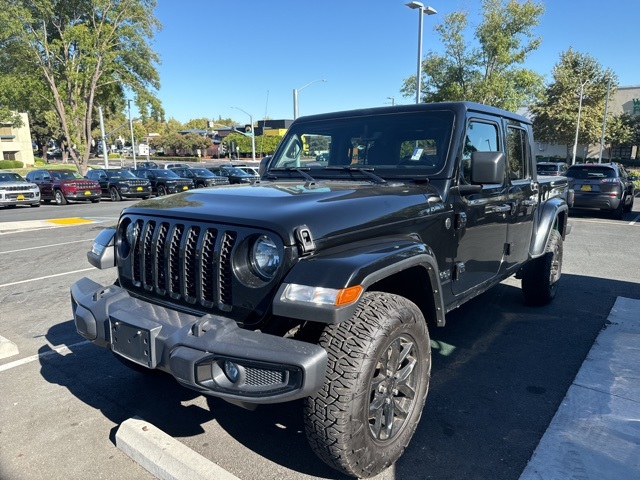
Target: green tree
[196, 124]
[622, 131]
[556, 112]
[491, 72]
[82, 52]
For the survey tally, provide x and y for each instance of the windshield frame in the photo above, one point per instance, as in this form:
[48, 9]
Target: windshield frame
[418, 143]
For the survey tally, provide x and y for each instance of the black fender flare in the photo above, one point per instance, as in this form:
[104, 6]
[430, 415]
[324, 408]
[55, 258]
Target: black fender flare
[364, 264]
[553, 214]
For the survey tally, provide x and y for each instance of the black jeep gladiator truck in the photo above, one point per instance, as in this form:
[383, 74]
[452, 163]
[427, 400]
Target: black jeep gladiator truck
[321, 279]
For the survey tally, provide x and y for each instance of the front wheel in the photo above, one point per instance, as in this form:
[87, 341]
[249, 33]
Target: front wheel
[377, 379]
[540, 276]
[162, 191]
[115, 194]
[60, 198]
[629, 207]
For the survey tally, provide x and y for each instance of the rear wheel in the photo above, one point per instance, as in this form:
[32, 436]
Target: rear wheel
[378, 371]
[618, 213]
[115, 194]
[629, 207]
[540, 277]
[60, 198]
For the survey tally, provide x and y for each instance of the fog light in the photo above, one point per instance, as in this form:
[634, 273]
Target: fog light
[232, 371]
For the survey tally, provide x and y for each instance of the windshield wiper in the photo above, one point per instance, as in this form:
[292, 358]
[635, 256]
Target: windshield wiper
[302, 171]
[365, 171]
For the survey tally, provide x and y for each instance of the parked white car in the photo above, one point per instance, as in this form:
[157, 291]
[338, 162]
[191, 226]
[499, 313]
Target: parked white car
[15, 190]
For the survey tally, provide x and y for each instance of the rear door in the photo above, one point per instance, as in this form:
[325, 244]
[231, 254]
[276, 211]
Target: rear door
[522, 198]
[481, 218]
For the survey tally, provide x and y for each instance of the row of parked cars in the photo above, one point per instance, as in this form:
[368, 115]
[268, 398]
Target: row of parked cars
[62, 186]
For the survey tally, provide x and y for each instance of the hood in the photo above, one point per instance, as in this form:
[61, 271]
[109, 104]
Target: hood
[13, 185]
[326, 208]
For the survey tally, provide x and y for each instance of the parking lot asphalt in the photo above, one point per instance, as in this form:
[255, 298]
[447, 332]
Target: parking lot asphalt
[594, 433]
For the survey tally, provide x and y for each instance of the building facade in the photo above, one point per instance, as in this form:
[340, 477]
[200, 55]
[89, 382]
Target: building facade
[15, 143]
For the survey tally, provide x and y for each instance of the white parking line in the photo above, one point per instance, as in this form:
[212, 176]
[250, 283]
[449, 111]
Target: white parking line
[46, 246]
[64, 350]
[635, 220]
[45, 277]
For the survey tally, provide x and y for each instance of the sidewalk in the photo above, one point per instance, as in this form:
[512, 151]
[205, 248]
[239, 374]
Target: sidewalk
[595, 434]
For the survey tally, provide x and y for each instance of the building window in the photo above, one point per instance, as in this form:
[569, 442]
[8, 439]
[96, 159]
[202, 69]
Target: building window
[5, 130]
[10, 155]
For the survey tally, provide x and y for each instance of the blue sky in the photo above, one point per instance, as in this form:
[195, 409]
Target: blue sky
[251, 54]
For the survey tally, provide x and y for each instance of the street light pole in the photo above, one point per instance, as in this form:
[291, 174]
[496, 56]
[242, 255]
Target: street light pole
[575, 142]
[133, 145]
[253, 137]
[604, 121]
[295, 95]
[426, 11]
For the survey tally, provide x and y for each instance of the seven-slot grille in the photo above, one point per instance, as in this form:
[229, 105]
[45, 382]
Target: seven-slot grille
[184, 262]
[84, 185]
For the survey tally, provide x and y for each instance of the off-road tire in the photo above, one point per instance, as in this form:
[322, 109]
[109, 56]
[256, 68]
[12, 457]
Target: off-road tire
[379, 365]
[115, 194]
[540, 277]
[162, 191]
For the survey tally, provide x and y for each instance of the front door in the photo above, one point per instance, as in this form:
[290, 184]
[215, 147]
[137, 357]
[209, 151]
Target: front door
[481, 217]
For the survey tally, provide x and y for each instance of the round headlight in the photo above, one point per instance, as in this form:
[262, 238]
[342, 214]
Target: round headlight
[265, 258]
[127, 240]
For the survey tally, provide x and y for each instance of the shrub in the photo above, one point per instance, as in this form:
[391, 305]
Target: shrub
[11, 164]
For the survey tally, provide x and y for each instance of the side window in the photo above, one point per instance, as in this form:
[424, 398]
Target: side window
[480, 137]
[517, 153]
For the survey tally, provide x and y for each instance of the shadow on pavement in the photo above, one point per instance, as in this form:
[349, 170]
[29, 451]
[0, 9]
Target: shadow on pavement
[500, 371]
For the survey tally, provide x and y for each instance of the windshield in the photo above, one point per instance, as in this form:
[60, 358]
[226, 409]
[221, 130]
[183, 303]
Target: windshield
[392, 144]
[201, 172]
[65, 175]
[10, 177]
[165, 174]
[237, 172]
[547, 168]
[120, 174]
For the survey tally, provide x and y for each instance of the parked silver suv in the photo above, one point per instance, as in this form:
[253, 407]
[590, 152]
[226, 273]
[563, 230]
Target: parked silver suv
[15, 190]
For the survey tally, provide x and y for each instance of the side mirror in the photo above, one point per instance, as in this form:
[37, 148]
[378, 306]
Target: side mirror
[487, 167]
[264, 164]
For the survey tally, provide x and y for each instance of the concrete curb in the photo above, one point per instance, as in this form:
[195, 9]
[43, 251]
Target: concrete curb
[7, 348]
[163, 456]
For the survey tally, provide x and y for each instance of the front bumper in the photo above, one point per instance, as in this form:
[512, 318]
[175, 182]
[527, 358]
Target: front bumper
[19, 198]
[134, 192]
[80, 195]
[196, 350]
